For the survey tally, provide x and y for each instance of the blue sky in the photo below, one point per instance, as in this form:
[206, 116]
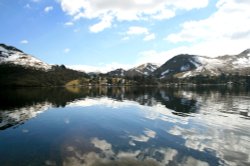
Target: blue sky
[107, 34]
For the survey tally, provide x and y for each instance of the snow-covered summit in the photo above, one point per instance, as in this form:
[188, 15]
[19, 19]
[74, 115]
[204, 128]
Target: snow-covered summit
[185, 65]
[12, 55]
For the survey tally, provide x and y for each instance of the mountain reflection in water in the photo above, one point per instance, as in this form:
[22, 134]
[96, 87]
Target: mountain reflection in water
[124, 126]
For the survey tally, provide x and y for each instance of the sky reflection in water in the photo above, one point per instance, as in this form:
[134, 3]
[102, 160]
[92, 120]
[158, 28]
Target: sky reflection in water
[125, 126]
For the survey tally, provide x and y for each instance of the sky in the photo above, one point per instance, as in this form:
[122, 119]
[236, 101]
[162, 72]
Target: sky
[103, 35]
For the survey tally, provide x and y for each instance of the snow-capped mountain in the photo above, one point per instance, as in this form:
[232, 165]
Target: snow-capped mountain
[184, 65]
[118, 72]
[180, 66]
[144, 69]
[12, 55]
[177, 64]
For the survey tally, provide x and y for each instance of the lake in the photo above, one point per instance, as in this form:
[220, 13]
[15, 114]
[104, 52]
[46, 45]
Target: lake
[125, 126]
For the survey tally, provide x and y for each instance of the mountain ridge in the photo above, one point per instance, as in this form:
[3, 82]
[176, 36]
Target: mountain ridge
[21, 69]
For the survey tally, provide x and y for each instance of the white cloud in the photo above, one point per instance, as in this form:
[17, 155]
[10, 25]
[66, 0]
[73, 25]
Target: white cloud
[48, 9]
[110, 10]
[148, 134]
[24, 42]
[66, 50]
[69, 23]
[106, 22]
[149, 37]
[225, 31]
[137, 30]
[103, 68]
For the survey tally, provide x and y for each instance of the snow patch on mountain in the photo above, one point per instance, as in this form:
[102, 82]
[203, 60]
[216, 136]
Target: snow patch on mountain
[185, 68]
[242, 62]
[165, 72]
[195, 63]
[210, 62]
[139, 71]
[2, 49]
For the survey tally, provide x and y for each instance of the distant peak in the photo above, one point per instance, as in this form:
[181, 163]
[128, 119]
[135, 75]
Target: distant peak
[119, 69]
[247, 51]
[147, 64]
[185, 55]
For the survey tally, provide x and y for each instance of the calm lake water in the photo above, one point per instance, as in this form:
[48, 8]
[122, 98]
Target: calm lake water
[124, 126]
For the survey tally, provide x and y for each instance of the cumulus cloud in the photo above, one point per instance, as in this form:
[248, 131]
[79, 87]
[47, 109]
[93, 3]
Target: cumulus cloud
[48, 9]
[24, 42]
[110, 10]
[226, 29]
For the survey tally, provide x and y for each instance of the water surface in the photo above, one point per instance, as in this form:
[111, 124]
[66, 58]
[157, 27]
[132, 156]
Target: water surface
[125, 126]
